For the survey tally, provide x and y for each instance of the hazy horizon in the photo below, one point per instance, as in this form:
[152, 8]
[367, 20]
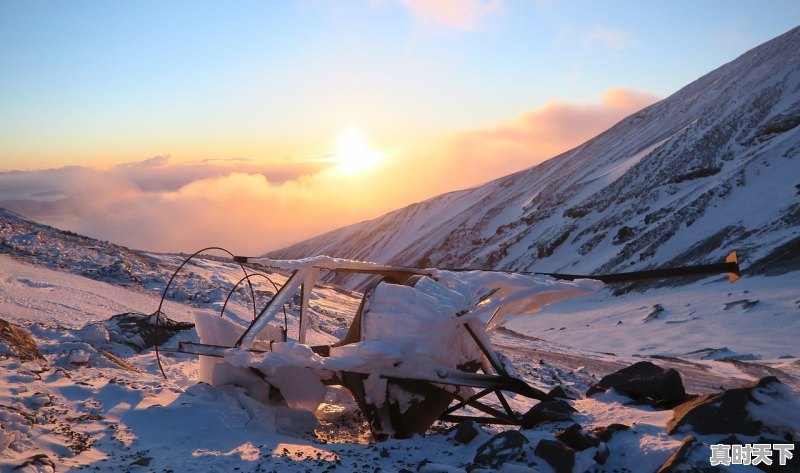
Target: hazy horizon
[169, 127]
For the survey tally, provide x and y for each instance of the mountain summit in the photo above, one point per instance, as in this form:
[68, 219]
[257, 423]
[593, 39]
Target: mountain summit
[713, 168]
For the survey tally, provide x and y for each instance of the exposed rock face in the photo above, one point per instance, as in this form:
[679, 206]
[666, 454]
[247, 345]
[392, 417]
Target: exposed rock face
[645, 381]
[17, 342]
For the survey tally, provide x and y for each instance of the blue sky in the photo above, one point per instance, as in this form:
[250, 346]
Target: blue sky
[105, 82]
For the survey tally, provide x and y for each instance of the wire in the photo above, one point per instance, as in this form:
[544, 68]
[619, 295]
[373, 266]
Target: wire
[285, 317]
[166, 288]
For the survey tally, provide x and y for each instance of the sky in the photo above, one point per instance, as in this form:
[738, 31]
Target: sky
[170, 126]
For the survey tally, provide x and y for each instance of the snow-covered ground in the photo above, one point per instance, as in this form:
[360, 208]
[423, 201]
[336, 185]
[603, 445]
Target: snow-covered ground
[107, 416]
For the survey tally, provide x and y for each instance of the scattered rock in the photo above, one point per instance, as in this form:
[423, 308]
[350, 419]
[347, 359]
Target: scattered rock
[466, 431]
[603, 452]
[624, 234]
[503, 447]
[547, 411]
[691, 456]
[558, 392]
[6, 438]
[558, 455]
[645, 381]
[654, 313]
[143, 461]
[78, 357]
[605, 433]
[722, 413]
[576, 438]
[17, 342]
[37, 463]
[744, 304]
[142, 331]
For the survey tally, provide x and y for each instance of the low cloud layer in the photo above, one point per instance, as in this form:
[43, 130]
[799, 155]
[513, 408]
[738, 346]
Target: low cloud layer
[250, 207]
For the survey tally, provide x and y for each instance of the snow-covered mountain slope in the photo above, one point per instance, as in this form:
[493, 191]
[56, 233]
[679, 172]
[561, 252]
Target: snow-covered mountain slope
[91, 403]
[713, 168]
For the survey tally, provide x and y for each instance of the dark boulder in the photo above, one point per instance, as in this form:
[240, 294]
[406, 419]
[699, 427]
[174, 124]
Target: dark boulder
[721, 413]
[556, 454]
[466, 431]
[646, 382]
[558, 392]
[547, 411]
[605, 433]
[576, 438]
[504, 447]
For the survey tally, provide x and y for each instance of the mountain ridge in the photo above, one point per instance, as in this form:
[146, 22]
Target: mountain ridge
[666, 185]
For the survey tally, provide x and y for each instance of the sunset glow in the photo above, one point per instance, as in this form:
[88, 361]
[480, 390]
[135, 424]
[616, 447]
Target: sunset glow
[167, 126]
[353, 154]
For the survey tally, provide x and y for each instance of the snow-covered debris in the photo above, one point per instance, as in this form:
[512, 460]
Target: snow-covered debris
[139, 331]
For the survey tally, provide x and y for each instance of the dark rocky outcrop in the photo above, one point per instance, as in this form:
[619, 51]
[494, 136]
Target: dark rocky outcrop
[647, 382]
[547, 411]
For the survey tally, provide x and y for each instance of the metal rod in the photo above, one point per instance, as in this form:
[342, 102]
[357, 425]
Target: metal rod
[730, 266]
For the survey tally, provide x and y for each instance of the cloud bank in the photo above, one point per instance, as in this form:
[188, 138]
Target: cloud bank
[251, 207]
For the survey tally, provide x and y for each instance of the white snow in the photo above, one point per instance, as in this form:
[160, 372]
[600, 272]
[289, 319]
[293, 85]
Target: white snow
[754, 316]
[86, 411]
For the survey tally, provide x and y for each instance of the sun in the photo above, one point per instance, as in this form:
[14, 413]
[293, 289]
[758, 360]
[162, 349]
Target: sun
[353, 154]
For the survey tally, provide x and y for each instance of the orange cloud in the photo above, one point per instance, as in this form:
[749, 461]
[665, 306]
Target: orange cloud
[540, 134]
[456, 14]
